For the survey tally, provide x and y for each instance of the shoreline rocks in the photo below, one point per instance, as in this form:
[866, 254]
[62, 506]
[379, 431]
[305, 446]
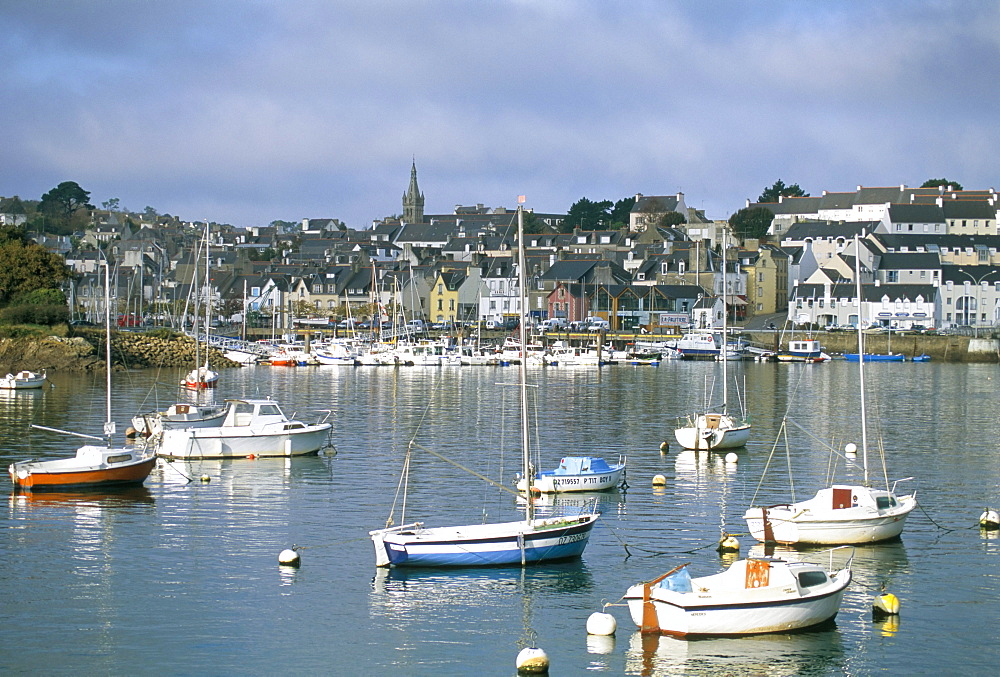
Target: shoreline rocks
[85, 352]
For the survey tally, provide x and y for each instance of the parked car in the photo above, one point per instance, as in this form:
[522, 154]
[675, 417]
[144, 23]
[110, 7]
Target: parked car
[597, 324]
[416, 326]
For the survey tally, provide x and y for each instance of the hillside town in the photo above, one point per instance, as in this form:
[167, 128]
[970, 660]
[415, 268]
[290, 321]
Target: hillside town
[927, 259]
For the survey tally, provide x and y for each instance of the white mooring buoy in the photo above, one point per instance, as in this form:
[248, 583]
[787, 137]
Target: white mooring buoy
[851, 450]
[532, 661]
[990, 520]
[885, 604]
[659, 481]
[206, 478]
[289, 557]
[732, 458]
[600, 623]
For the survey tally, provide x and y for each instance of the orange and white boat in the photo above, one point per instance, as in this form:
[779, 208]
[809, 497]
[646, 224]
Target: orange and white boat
[93, 466]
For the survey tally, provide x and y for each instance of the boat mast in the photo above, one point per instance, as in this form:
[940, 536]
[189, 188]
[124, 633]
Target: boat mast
[208, 303]
[109, 425]
[523, 370]
[725, 332]
[861, 359]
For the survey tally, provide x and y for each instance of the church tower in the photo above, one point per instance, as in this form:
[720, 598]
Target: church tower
[413, 199]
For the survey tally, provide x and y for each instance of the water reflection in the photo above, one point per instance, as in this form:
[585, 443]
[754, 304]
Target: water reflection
[82, 499]
[804, 653]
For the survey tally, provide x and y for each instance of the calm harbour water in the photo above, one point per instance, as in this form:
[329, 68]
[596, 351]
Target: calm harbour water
[182, 577]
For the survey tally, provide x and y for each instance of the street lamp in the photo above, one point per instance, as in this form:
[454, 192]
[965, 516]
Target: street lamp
[979, 285]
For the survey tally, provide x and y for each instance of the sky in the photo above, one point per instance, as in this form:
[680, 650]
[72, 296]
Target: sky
[245, 112]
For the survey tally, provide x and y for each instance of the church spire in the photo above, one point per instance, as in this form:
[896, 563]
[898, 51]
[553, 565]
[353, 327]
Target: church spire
[413, 199]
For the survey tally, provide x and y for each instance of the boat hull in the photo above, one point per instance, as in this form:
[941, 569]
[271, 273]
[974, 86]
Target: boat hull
[503, 544]
[704, 435]
[226, 442]
[24, 380]
[62, 475]
[750, 618]
[873, 357]
[791, 525]
[549, 483]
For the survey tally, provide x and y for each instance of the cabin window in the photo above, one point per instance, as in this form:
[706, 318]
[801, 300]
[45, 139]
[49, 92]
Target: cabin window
[270, 410]
[808, 579]
[884, 502]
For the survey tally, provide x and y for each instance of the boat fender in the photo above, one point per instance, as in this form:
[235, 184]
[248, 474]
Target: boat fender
[600, 623]
[532, 661]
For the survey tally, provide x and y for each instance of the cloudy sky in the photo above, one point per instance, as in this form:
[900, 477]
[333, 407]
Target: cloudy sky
[249, 111]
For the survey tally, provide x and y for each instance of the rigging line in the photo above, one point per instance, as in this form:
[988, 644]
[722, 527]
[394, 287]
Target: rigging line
[828, 447]
[767, 464]
[468, 470]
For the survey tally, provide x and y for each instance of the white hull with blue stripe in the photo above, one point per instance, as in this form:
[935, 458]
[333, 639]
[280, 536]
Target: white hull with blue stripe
[506, 543]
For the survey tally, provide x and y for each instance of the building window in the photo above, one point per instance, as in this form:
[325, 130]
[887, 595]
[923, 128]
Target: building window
[440, 304]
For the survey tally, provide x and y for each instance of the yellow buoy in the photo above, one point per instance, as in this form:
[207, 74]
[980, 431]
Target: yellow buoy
[532, 661]
[728, 543]
[659, 480]
[664, 447]
[206, 478]
[885, 604]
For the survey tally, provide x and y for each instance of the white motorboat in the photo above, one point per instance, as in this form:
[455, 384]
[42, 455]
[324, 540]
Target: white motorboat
[752, 596]
[338, 353]
[577, 473]
[803, 350]
[23, 380]
[251, 428]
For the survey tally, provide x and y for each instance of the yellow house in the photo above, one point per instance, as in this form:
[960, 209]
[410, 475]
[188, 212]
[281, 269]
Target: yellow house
[767, 281]
[443, 305]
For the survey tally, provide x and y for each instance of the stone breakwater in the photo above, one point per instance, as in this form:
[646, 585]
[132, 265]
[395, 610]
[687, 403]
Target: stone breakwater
[86, 352]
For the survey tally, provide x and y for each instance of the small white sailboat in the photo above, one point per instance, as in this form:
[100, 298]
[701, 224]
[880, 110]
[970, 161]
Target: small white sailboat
[527, 541]
[576, 473]
[23, 380]
[753, 596]
[202, 377]
[93, 466]
[179, 415]
[719, 429]
[842, 513]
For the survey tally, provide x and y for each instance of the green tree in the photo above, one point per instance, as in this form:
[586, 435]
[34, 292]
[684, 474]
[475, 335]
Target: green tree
[620, 213]
[934, 183]
[534, 225]
[587, 215]
[65, 199]
[111, 204]
[26, 267]
[12, 205]
[670, 219]
[751, 222]
[58, 207]
[779, 189]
